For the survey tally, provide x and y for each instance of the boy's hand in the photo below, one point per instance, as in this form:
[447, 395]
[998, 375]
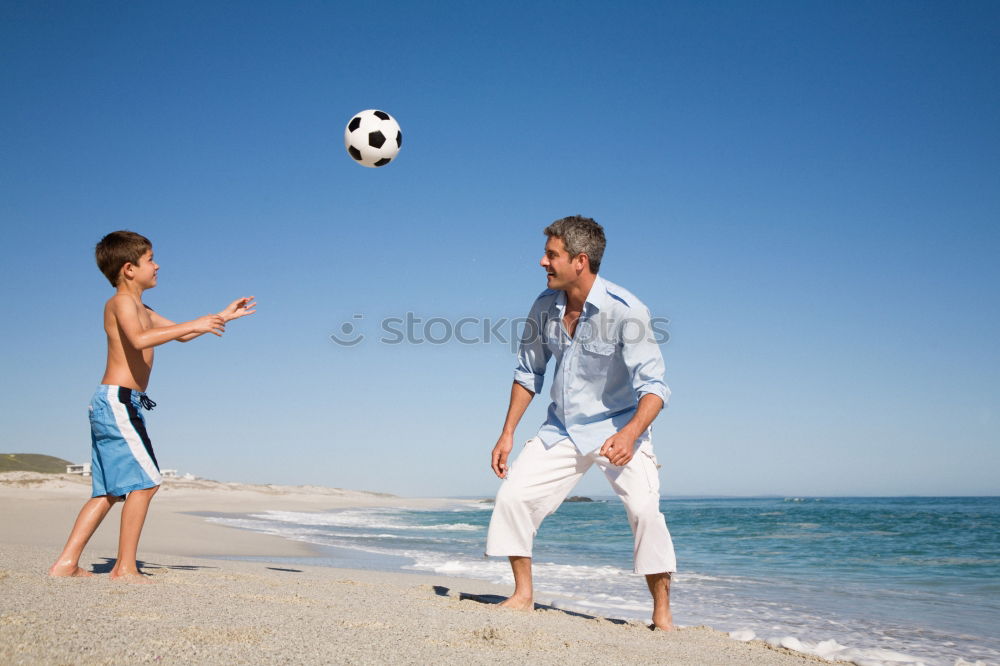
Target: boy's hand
[214, 324]
[241, 307]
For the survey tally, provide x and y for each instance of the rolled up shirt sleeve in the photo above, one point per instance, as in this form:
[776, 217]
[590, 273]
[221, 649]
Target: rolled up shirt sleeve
[642, 356]
[532, 353]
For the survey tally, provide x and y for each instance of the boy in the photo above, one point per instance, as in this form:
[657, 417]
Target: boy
[123, 465]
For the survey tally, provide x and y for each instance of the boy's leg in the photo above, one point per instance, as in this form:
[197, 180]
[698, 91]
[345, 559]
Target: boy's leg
[133, 517]
[91, 515]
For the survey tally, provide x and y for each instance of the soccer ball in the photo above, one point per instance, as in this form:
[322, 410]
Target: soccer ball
[373, 138]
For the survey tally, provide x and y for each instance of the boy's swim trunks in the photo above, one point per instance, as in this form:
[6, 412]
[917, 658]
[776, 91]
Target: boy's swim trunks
[122, 458]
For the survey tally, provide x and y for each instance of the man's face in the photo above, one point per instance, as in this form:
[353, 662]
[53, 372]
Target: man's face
[562, 271]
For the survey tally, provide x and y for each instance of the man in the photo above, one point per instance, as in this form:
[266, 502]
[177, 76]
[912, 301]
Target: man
[607, 389]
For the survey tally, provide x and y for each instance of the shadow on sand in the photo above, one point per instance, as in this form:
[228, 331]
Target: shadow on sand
[443, 591]
[144, 567]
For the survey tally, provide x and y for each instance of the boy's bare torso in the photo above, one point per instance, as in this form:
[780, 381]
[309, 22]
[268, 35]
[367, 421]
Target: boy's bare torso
[127, 366]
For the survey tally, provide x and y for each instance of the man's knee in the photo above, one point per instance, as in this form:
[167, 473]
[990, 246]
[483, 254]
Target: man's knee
[644, 512]
[507, 496]
[512, 495]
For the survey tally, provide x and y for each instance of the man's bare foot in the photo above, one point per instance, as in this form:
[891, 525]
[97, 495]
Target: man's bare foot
[130, 577]
[58, 570]
[517, 603]
[663, 623]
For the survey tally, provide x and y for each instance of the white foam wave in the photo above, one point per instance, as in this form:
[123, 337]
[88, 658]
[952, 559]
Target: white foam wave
[370, 519]
[327, 537]
[834, 651]
[476, 506]
[266, 528]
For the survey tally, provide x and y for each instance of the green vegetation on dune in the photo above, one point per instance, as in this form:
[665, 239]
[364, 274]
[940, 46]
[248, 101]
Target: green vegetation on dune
[32, 462]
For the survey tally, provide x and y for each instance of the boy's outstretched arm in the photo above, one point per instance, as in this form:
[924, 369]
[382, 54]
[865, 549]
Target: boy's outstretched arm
[241, 307]
[127, 318]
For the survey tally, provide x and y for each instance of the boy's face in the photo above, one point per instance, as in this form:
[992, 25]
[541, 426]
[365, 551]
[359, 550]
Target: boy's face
[144, 272]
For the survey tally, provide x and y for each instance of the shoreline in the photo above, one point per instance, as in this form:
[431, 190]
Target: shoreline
[214, 596]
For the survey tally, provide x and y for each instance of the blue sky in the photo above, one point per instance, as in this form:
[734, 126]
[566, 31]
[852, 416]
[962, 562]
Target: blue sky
[810, 192]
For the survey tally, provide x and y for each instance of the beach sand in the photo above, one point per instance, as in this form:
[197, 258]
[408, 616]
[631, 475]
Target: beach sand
[203, 610]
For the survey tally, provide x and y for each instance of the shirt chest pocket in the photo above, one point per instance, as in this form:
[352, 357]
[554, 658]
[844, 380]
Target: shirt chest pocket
[596, 358]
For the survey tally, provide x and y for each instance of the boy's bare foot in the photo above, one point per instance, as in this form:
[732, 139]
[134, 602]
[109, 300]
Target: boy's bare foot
[517, 603]
[59, 570]
[130, 577]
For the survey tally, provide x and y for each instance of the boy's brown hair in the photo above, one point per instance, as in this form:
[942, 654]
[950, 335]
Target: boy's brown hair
[117, 249]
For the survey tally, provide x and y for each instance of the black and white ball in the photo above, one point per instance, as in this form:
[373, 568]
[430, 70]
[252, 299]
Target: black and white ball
[373, 138]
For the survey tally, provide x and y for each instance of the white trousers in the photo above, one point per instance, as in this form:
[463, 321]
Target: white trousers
[540, 479]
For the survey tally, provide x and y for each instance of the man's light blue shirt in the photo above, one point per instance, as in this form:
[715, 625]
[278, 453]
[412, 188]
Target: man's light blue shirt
[600, 373]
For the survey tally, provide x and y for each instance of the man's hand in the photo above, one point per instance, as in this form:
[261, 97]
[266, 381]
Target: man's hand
[619, 448]
[241, 307]
[214, 324]
[500, 452]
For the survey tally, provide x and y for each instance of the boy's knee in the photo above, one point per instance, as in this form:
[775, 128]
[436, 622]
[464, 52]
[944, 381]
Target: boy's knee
[148, 492]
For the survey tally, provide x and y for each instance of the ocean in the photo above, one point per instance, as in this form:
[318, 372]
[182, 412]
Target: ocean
[902, 580]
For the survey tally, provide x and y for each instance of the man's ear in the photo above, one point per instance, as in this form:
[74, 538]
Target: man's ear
[581, 262]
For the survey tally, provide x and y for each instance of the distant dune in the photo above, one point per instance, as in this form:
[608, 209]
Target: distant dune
[32, 462]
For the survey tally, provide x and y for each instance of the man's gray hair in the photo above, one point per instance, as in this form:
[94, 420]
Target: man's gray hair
[580, 235]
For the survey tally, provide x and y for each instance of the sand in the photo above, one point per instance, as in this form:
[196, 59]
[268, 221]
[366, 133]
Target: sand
[203, 610]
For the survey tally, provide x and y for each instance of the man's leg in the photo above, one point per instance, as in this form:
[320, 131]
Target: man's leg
[89, 518]
[638, 486]
[133, 517]
[524, 594]
[536, 485]
[659, 587]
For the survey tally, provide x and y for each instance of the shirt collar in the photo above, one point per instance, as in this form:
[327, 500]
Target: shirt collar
[596, 299]
[598, 296]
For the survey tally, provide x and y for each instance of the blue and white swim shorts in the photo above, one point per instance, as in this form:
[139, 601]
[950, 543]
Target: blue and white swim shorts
[122, 458]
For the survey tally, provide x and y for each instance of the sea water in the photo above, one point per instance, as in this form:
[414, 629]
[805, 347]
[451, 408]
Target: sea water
[869, 580]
